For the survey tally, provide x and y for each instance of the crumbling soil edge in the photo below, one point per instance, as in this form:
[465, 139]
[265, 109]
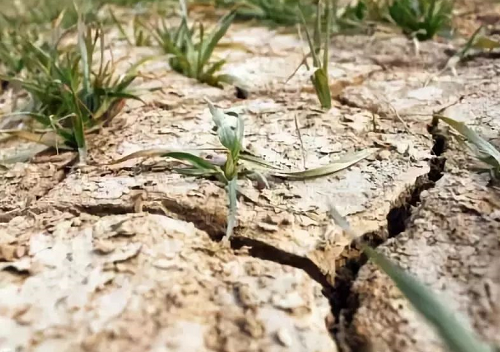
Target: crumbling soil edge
[66, 168]
[343, 301]
[264, 251]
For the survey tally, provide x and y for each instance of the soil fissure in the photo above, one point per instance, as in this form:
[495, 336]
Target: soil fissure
[343, 301]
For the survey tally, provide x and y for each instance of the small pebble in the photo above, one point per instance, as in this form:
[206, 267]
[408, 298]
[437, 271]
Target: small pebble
[384, 155]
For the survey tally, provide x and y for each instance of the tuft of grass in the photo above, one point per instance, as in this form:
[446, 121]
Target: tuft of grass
[482, 149]
[69, 96]
[454, 334]
[42, 12]
[422, 19]
[319, 43]
[191, 48]
[280, 12]
[239, 163]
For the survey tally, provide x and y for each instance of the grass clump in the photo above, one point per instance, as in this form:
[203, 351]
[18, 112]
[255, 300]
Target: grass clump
[68, 95]
[191, 48]
[422, 19]
[41, 13]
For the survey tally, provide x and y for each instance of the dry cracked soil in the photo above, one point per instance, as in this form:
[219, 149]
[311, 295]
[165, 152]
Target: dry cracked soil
[129, 257]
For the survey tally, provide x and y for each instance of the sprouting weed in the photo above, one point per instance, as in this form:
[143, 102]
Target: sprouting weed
[319, 44]
[239, 163]
[191, 48]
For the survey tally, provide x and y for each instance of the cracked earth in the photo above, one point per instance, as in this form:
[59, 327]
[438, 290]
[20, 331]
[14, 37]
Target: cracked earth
[129, 257]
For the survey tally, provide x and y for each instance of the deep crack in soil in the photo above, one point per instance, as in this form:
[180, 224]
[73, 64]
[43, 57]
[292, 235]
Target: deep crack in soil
[343, 301]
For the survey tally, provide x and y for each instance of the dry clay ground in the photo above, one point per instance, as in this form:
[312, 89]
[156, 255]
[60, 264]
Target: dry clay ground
[128, 257]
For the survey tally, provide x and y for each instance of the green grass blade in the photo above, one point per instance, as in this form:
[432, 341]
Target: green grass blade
[482, 145]
[79, 134]
[326, 51]
[454, 334]
[199, 66]
[193, 171]
[254, 161]
[312, 47]
[326, 170]
[232, 192]
[321, 85]
[148, 153]
[216, 66]
[85, 55]
[214, 37]
[317, 28]
[49, 139]
[118, 25]
[194, 160]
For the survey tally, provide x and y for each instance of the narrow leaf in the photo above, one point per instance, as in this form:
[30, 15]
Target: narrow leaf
[454, 334]
[49, 139]
[24, 156]
[161, 152]
[232, 191]
[214, 37]
[194, 160]
[340, 164]
[486, 43]
[482, 145]
[322, 88]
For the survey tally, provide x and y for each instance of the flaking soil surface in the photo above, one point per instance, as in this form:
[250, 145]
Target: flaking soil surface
[129, 257]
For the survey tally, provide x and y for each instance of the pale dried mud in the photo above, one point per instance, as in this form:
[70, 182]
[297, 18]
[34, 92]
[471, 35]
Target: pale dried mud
[129, 257]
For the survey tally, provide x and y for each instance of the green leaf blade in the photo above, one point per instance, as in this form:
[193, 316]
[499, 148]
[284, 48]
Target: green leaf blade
[232, 192]
[453, 333]
[340, 164]
[481, 144]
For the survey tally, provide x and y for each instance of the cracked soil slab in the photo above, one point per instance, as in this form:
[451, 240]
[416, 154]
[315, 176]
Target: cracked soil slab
[147, 281]
[127, 257]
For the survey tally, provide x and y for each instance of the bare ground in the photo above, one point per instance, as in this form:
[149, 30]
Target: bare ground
[129, 258]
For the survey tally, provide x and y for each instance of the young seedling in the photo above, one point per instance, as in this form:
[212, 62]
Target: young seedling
[191, 48]
[239, 163]
[67, 95]
[421, 18]
[454, 334]
[317, 44]
[483, 150]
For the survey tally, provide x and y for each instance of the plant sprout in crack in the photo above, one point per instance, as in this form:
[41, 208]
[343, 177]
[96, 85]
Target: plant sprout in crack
[238, 163]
